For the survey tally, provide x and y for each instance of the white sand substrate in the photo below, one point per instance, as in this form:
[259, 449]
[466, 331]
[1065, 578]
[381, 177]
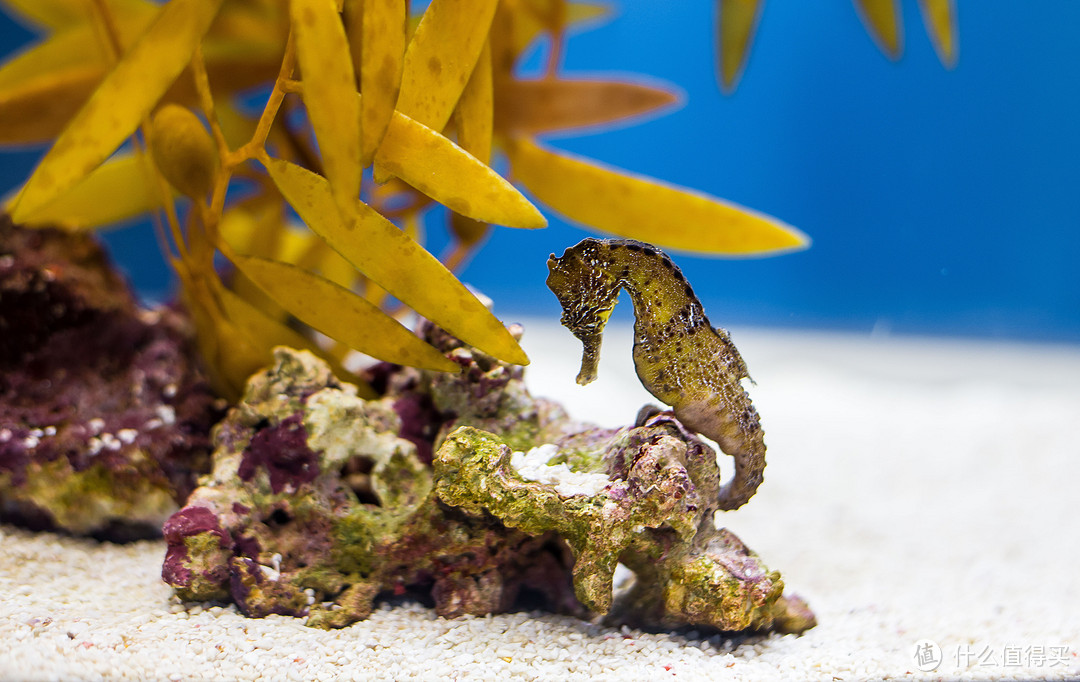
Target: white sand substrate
[917, 490]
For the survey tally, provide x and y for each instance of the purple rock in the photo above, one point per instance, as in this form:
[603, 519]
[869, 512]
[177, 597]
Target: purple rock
[104, 417]
[283, 452]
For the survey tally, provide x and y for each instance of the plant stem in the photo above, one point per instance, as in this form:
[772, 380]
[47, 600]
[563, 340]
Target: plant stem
[256, 148]
[206, 101]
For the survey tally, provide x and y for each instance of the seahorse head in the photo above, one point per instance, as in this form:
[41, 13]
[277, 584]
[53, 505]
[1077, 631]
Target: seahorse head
[582, 281]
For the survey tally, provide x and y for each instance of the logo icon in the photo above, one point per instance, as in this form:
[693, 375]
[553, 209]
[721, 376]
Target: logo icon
[927, 655]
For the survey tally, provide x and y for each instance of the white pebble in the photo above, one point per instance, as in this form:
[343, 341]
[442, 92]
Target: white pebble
[166, 414]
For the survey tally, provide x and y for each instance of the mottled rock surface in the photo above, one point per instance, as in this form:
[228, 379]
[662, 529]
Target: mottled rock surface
[654, 514]
[315, 506]
[104, 419]
[465, 490]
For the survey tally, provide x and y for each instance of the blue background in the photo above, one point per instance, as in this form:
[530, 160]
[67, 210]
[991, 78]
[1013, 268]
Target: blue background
[939, 201]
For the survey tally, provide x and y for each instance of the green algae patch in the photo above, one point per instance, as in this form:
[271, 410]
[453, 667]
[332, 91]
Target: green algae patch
[84, 501]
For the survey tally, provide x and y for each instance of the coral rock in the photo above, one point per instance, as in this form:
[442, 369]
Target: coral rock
[104, 419]
[315, 505]
[465, 490]
[653, 513]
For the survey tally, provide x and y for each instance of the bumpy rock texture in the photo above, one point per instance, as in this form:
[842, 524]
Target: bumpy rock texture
[316, 505]
[320, 501]
[104, 419]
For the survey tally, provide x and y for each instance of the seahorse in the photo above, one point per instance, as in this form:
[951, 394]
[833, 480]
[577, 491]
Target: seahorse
[680, 357]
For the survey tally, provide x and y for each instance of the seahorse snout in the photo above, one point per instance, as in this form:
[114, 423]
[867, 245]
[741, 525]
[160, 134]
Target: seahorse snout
[590, 356]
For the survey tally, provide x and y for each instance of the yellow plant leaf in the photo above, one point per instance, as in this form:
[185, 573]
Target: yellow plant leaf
[117, 190]
[329, 263]
[301, 248]
[398, 264]
[267, 331]
[502, 38]
[413, 227]
[254, 227]
[544, 105]
[474, 117]
[467, 231]
[263, 52]
[260, 229]
[270, 333]
[631, 206]
[330, 93]
[433, 164]
[257, 228]
[241, 24]
[341, 314]
[37, 110]
[352, 16]
[582, 12]
[304, 249]
[229, 75]
[382, 55]
[43, 86]
[78, 46]
[578, 13]
[551, 14]
[738, 20]
[256, 297]
[74, 47]
[236, 126]
[940, 19]
[121, 101]
[228, 354]
[58, 14]
[236, 338]
[526, 26]
[882, 22]
[245, 44]
[374, 293]
[475, 110]
[441, 56]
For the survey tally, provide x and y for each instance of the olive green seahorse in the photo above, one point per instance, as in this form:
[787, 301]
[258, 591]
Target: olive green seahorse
[680, 358]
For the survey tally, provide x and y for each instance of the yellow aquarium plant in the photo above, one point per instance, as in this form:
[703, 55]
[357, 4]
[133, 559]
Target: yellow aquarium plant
[371, 116]
[737, 21]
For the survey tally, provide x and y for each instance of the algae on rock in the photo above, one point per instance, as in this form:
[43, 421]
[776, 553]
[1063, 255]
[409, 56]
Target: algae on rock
[316, 505]
[463, 489]
[654, 515]
[104, 414]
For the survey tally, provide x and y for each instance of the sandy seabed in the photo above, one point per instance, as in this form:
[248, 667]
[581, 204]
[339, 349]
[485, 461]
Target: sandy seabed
[920, 494]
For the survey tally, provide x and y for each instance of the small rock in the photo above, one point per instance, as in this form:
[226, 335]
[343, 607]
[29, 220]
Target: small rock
[82, 371]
